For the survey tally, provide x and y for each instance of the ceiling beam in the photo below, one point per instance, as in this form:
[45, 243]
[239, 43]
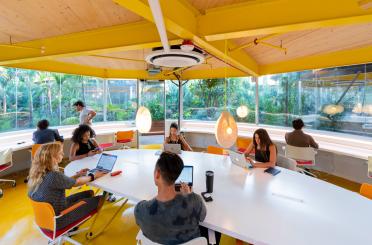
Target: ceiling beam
[181, 21]
[267, 17]
[334, 59]
[104, 40]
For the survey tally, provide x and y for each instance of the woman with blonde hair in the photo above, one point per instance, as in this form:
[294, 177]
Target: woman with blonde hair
[47, 184]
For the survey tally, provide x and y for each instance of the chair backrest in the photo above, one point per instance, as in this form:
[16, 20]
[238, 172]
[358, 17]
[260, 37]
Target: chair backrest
[44, 215]
[124, 136]
[215, 150]
[286, 162]
[243, 143]
[34, 149]
[300, 153]
[141, 239]
[6, 157]
[366, 190]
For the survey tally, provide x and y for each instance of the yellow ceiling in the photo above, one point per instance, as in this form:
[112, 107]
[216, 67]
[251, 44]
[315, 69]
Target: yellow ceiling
[110, 38]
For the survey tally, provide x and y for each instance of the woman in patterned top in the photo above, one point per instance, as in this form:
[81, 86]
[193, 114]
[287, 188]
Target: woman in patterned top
[47, 184]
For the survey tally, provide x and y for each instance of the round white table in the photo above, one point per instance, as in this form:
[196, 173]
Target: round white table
[250, 205]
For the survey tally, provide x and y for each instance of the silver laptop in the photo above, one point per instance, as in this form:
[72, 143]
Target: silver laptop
[105, 164]
[174, 148]
[239, 159]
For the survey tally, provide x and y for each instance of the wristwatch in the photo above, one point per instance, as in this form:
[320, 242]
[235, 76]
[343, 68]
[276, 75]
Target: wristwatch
[91, 176]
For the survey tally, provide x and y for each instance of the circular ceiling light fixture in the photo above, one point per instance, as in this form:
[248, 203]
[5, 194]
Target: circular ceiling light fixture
[242, 111]
[226, 130]
[143, 120]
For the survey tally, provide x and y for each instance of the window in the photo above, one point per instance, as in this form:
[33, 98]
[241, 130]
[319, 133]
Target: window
[171, 98]
[122, 100]
[205, 99]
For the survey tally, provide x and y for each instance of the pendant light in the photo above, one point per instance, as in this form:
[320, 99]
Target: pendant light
[333, 109]
[226, 130]
[242, 111]
[143, 120]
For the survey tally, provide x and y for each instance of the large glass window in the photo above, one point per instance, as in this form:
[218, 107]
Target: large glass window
[171, 98]
[122, 100]
[206, 99]
[333, 99]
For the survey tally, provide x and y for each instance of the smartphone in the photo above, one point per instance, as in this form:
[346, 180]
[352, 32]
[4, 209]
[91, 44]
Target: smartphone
[272, 171]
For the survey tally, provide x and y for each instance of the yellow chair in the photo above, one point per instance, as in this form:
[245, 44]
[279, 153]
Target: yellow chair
[243, 143]
[366, 190]
[46, 220]
[215, 150]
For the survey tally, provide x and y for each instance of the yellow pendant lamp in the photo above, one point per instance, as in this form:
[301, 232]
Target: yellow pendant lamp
[226, 130]
[143, 120]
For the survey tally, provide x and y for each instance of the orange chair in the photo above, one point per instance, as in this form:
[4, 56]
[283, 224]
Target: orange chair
[46, 220]
[366, 190]
[34, 149]
[215, 150]
[242, 143]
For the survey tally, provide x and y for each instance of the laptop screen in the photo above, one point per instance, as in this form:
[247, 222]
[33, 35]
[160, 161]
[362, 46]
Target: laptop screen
[106, 162]
[186, 175]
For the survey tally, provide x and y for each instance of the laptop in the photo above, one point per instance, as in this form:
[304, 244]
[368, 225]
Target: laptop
[174, 148]
[186, 176]
[105, 163]
[239, 159]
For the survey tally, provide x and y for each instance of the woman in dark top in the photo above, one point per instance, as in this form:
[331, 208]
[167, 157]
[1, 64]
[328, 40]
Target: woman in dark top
[83, 143]
[265, 150]
[175, 138]
[47, 184]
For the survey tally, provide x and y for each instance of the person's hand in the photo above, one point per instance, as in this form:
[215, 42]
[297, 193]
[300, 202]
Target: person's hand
[99, 174]
[185, 188]
[92, 153]
[83, 172]
[249, 160]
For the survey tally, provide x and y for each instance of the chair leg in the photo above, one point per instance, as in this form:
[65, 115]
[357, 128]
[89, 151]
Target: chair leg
[70, 240]
[9, 180]
[1, 193]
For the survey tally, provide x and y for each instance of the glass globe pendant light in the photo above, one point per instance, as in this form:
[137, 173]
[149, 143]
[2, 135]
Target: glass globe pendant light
[143, 120]
[242, 111]
[226, 130]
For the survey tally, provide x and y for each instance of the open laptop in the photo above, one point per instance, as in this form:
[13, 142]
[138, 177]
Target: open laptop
[105, 163]
[239, 159]
[174, 148]
[186, 176]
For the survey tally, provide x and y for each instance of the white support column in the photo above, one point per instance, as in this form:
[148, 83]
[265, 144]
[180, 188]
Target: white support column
[257, 121]
[180, 104]
[105, 91]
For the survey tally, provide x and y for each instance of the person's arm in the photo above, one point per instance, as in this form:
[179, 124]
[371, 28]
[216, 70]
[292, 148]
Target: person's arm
[313, 143]
[95, 143]
[271, 162]
[57, 137]
[34, 137]
[82, 180]
[186, 146]
[74, 148]
[286, 138]
[166, 140]
[249, 149]
[91, 115]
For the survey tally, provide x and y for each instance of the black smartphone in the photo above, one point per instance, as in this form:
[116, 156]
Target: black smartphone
[272, 171]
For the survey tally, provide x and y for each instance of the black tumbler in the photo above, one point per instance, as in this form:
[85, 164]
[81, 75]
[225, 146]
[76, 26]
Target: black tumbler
[209, 181]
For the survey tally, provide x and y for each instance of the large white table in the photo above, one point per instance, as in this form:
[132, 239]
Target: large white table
[252, 206]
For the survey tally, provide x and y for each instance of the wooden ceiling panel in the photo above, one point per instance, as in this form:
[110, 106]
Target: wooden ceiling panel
[310, 42]
[35, 19]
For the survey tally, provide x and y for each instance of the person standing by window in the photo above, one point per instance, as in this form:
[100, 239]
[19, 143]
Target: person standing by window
[86, 115]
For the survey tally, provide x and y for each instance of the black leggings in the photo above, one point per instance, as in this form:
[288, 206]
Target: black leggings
[92, 203]
[204, 233]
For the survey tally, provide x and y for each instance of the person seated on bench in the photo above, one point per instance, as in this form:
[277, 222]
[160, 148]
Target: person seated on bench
[171, 217]
[47, 184]
[43, 134]
[176, 138]
[83, 143]
[298, 138]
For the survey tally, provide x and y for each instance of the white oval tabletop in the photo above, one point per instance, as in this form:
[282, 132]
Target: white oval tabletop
[253, 206]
